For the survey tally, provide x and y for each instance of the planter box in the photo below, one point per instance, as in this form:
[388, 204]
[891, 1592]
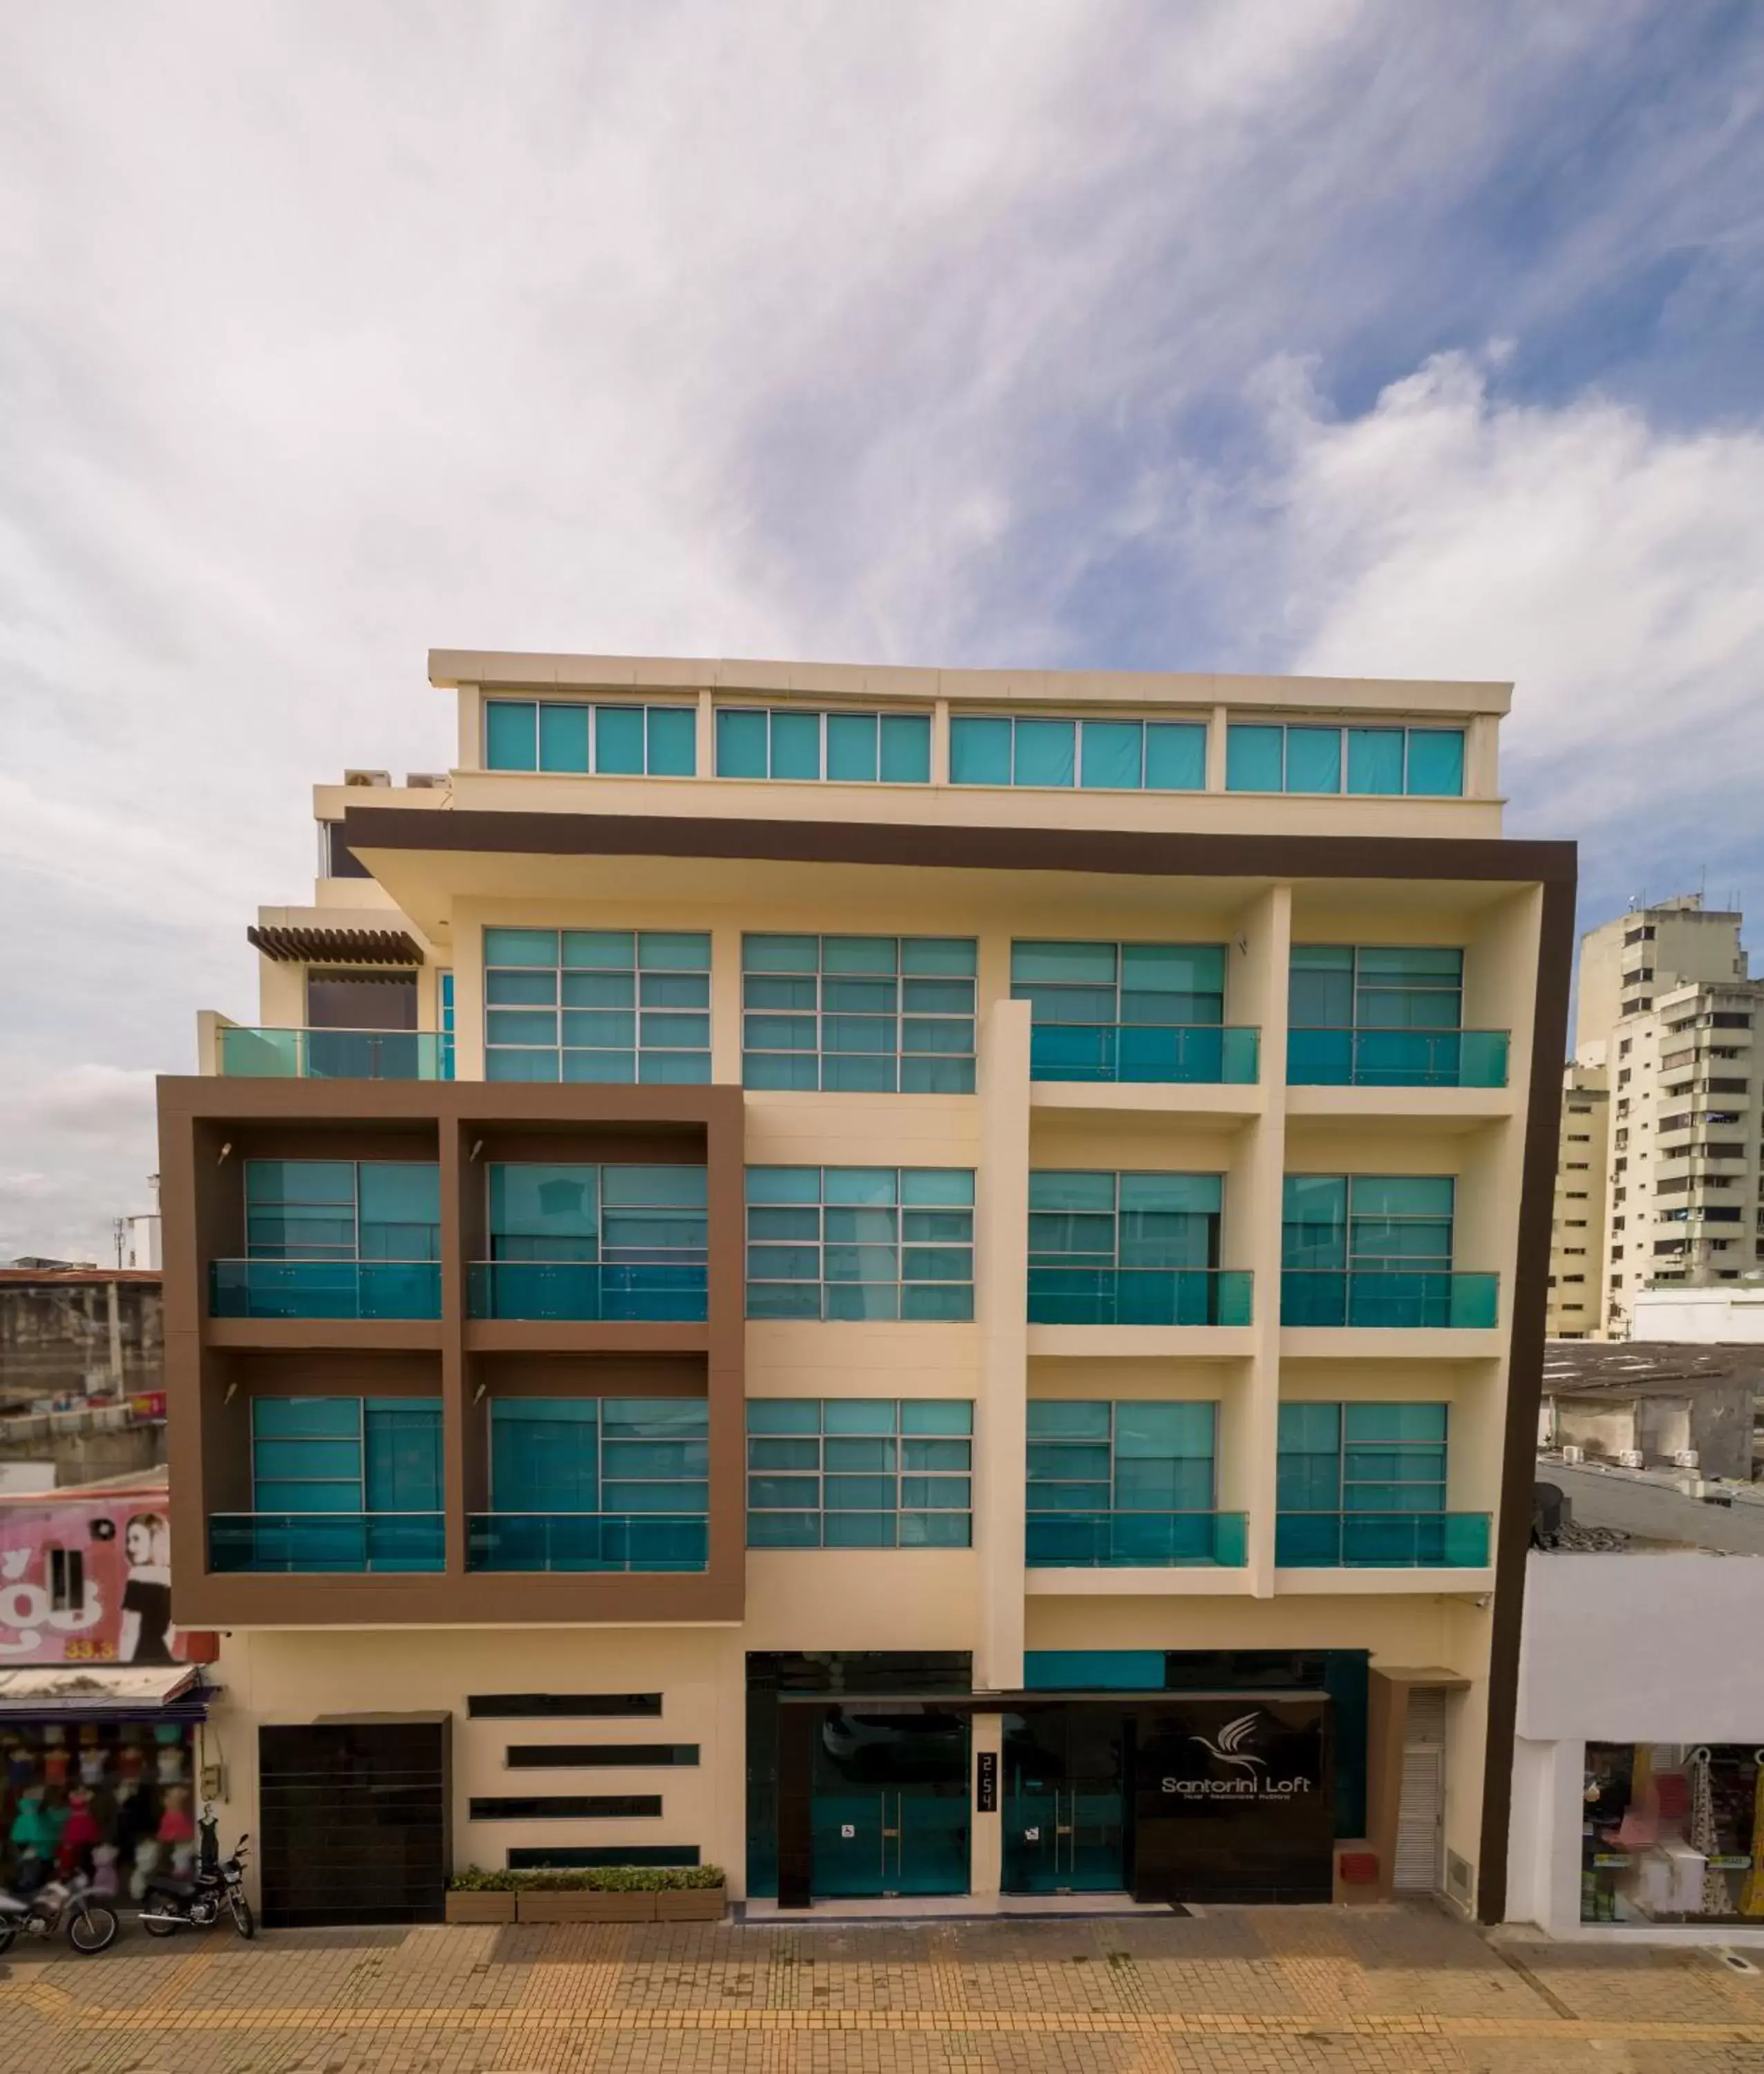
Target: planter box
[585, 1907]
[691, 1904]
[472, 1907]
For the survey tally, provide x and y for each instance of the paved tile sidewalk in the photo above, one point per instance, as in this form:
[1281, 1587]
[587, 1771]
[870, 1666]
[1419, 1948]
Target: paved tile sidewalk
[1265, 1991]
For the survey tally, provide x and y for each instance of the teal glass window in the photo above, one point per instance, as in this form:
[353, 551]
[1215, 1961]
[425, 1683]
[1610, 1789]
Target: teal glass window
[1374, 1223]
[1361, 1458]
[860, 1243]
[881, 1015]
[1264, 757]
[1376, 987]
[623, 739]
[630, 1216]
[860, 1472]
[444, 995]
[1113, 1221]
[597, 1005]
[1169, 985]
[1123, 1456]
[346, 1456]
[847, 748]
[587, 1455]
[1100, 755]
[342, 1210]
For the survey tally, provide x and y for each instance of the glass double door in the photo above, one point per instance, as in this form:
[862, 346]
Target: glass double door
[1065, 1828]
[890, 1803]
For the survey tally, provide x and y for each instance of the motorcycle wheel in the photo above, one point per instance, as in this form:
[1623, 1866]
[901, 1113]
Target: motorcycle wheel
[159, 1929]
[91, 1929]
[7, 1933]
[243, 1920]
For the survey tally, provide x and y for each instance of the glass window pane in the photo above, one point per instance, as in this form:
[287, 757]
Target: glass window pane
[1055, 1189]
[1253, 759]
[906, 749]
[795, 745]
[932, 957]
[1060, 1420]
[933, 1187]
[783, 1415]
[599, 949]
[673, 742]
[1374, 759]
[784, 1184]
[1436, 761]
[400, 1193]
[674, 950]
[1420, 1424]
[979, 751]
[858, 1414]
[781, 954]
[520, 947]
[1046, 753]
[851, 747]
[1310, 1428]
[1175, 757]
[1192, 1192]
[860, 1186]
[520, 990]
[618, 740]
[563, 737]
[519, 1026]
[1313, 759]
[861, 957]
[1182, 1432]
[511, 735]
[1113, 754]
[936, 1415]
[740, 743]
[1070, 964]
[1403, 1194]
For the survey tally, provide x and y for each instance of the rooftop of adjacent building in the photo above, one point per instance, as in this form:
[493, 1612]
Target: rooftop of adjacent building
[1633, 1369]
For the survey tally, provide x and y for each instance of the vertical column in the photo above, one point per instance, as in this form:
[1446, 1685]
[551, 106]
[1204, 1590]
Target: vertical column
[466, 952]
[458, 1174]
[1260, 957]
[725, 1005]
[986, 1855]
[1216, 749]
[939, 743]
[1002, 1305]
[471, 720]
[707, 735]
[1481, 752]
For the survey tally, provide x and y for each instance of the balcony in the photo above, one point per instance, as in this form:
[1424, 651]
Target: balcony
[1400, 1298]
[327, 1543]
[1139, 1296]
[1397, 1058]
[585, 1292]
[1208, 1054]
[324, 1289]
[1382, 1541]
[587, 1541]
[1135, 1540]
[333, 1055]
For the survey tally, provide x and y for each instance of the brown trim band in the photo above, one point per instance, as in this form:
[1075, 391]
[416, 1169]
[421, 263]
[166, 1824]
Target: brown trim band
[1174, 855]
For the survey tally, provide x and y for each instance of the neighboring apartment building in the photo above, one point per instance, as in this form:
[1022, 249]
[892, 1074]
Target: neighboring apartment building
[1666, 1011]
[1577, 1222]
[908, 1282]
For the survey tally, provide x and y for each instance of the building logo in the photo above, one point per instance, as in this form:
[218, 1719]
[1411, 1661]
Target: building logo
[1228, 1749]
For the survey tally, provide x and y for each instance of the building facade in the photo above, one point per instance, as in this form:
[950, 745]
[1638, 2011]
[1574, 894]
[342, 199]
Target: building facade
[905, 1282]
[1576, 1310]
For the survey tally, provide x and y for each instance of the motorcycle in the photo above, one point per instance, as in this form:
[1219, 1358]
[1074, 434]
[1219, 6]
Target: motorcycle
[91, 1926]
[171, 1904]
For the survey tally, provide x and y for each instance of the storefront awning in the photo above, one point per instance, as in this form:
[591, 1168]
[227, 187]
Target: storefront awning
[63, 1691]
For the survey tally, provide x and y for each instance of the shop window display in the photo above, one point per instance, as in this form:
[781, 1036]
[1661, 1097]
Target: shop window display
[111, 1799]
[1673, 1833]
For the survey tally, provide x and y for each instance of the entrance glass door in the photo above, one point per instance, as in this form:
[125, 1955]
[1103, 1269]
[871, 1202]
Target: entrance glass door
[891, 1804]
[1064, 1818]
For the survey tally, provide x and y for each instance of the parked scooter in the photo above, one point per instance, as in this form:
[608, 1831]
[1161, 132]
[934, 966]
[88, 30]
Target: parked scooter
[91, 1926]
[171, 1904]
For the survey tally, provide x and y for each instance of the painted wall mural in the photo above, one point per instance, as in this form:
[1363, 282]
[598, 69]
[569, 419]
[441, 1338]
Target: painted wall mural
[87, 1580]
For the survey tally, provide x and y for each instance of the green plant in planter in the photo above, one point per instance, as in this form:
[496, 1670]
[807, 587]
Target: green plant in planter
[590, 1879]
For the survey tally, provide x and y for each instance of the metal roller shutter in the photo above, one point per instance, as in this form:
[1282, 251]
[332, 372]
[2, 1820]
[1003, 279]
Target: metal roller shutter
[1421, 1809]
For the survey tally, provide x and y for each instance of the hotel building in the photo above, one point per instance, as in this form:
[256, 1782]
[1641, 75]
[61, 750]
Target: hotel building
[906, 1282]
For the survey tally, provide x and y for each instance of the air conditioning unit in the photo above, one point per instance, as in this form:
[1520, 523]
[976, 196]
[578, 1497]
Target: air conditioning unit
[367, 777]
[1630, 1458]
[1684, 1458]
[1572, 1454]
[426, 781]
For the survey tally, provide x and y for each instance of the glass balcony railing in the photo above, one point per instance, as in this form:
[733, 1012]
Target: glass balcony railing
[1135, 1540]
[324, 1289]
[1399, 1298]
[924, 1303]
[1203, 1054]
[1139, 1296]
[590, 1292]
[1397, 1058]
[334, 1054]
[587, 1541]
[1382, 1541]
[326, 1544]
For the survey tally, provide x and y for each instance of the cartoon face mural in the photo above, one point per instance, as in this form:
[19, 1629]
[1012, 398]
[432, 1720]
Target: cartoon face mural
[86, 1580]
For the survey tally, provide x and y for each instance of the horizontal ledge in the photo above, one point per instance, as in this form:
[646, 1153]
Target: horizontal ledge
[1362, 1583]
[1180, 1581]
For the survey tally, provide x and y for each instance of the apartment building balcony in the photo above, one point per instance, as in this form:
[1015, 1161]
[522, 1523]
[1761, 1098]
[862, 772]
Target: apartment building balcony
[325, 1289]
[1381, 1058]
[675, 1291]
[587, 1542]
[1140, 1296]
[327, 1543]
[1132, 1540]
[242, 1052]
[1111, 1052]
[1382, 1540]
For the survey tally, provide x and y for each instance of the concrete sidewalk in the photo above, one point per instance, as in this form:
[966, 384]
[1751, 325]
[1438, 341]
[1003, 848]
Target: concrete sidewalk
[1263, 1991]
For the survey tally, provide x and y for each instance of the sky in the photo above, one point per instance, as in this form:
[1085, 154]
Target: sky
[1365, 338]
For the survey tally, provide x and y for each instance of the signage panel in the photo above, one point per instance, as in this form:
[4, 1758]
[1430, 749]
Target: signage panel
[987, 1781]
